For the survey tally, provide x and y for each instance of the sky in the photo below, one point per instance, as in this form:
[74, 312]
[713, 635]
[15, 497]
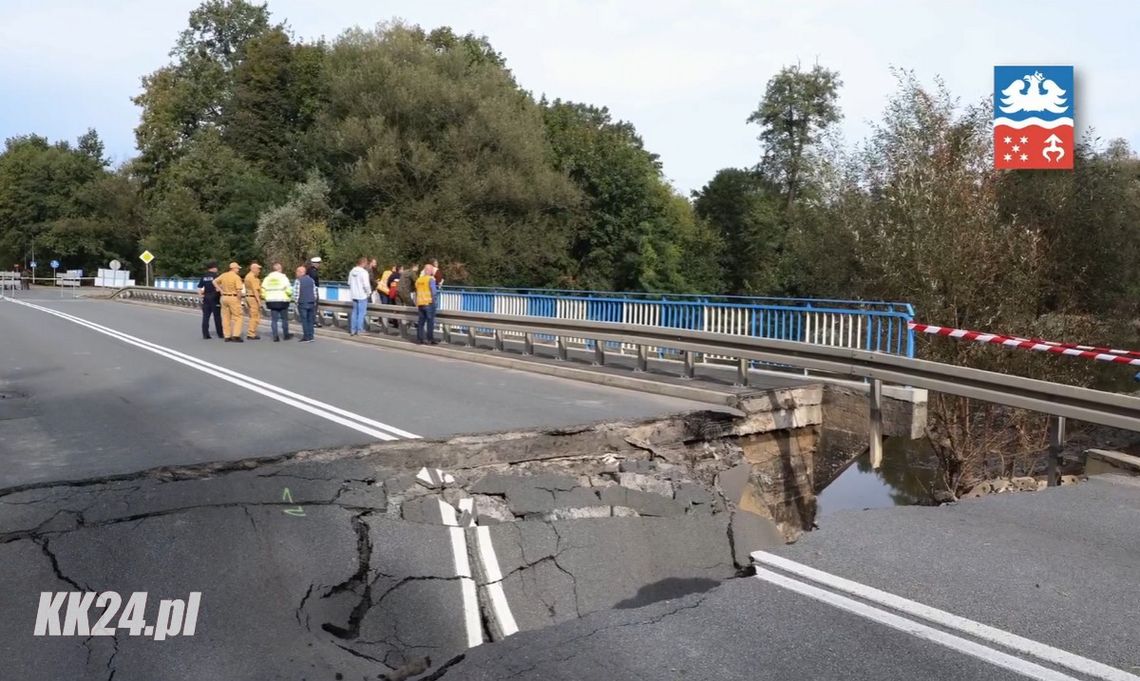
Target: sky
[686, 74]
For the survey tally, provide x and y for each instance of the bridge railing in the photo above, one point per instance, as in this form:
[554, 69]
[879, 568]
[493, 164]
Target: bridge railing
[878, 368]
[862, 325]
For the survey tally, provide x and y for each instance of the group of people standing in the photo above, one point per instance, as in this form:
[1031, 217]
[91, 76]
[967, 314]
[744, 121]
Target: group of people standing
[222, 296]
[397, 285]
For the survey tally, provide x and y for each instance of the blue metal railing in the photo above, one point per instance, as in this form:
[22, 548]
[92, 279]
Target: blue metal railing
[879, 326]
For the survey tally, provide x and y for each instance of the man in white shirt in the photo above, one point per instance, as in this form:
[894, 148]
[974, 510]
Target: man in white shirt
[360, 288]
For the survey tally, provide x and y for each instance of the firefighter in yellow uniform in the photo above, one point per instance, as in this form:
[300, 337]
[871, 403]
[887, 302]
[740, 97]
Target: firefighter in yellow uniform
[229, 286]
[253, 300]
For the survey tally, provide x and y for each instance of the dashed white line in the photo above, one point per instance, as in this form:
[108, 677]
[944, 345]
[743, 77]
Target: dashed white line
[357, 422]
[947, 620]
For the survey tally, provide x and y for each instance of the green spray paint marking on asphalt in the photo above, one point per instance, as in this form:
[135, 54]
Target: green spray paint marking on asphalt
[287, 497]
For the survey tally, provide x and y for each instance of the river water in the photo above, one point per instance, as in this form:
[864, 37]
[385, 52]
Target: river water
[906, 478]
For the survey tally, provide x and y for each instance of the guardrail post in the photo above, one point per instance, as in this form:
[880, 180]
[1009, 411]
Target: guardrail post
[599, 353]
[689, 363]
[498, 340]
[742, 372]
[446, 333]
[875, 430]
[528, 343]
[470, 336]
[1056, 444]
[642, 358]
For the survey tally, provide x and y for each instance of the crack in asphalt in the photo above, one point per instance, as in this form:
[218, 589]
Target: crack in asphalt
[111, 660]
[83, 524]
[438, 673]
[43, 544]
[358, 578]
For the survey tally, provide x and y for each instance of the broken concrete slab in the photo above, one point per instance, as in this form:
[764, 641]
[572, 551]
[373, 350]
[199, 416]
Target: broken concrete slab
[646, 483]
[578, 513]
[492, 508]
[578, 497]
[733, 482]
[497, 483]
[551, 572]
[434, 478]
[339, 518]
[751, 532]
[690, 494]
[642, 502]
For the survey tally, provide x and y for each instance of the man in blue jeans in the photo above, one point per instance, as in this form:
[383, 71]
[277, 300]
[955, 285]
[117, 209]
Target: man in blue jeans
[306, 304]
[360, 289]
[426, 294]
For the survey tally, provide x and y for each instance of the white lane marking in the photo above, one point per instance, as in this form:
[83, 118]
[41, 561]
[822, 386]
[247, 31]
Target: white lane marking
[316, 407]
[494, 576]
[471, 616]
[267, 386]
[962, 645]
[948, 620]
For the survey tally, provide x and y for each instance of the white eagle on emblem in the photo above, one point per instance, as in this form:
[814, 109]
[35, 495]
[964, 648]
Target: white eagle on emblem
[1033, 99]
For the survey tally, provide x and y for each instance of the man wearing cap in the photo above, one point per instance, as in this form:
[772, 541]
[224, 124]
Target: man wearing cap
[253, 299]
[229, 286]
[313, 270]
[211, 305]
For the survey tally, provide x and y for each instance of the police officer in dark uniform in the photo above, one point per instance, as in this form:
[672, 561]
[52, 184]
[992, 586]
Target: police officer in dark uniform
[211, 301]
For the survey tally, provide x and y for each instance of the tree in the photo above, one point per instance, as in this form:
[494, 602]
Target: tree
[91, 146]
[40, 189]
[277, 95]
[298, 229]
[192, 93]
[628, 233]
[1086, 221]
[430, 143]
[797, 107]
[183, 237]
[744, 211]
[219, 30]
[226, 188]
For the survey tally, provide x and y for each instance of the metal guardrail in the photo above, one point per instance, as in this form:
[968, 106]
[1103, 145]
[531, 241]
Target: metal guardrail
[1093, 406]
[866, 325]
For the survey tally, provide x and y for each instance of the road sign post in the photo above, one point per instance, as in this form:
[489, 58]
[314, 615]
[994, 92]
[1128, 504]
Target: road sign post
[147, 257]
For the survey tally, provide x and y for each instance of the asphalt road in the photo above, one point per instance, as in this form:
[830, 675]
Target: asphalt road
[1056, 567]
[79, 402]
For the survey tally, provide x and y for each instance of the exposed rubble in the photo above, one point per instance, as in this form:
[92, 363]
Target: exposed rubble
[350, 555]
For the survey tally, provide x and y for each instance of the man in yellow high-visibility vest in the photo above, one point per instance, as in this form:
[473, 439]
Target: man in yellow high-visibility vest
[425, 297]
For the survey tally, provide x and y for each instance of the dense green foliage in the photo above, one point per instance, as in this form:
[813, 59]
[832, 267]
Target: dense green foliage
[407, 144]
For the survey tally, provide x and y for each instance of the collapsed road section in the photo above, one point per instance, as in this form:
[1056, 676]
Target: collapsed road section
[390, 560]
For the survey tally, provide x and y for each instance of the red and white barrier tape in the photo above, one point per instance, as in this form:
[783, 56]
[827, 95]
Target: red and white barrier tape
[1130, 357]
